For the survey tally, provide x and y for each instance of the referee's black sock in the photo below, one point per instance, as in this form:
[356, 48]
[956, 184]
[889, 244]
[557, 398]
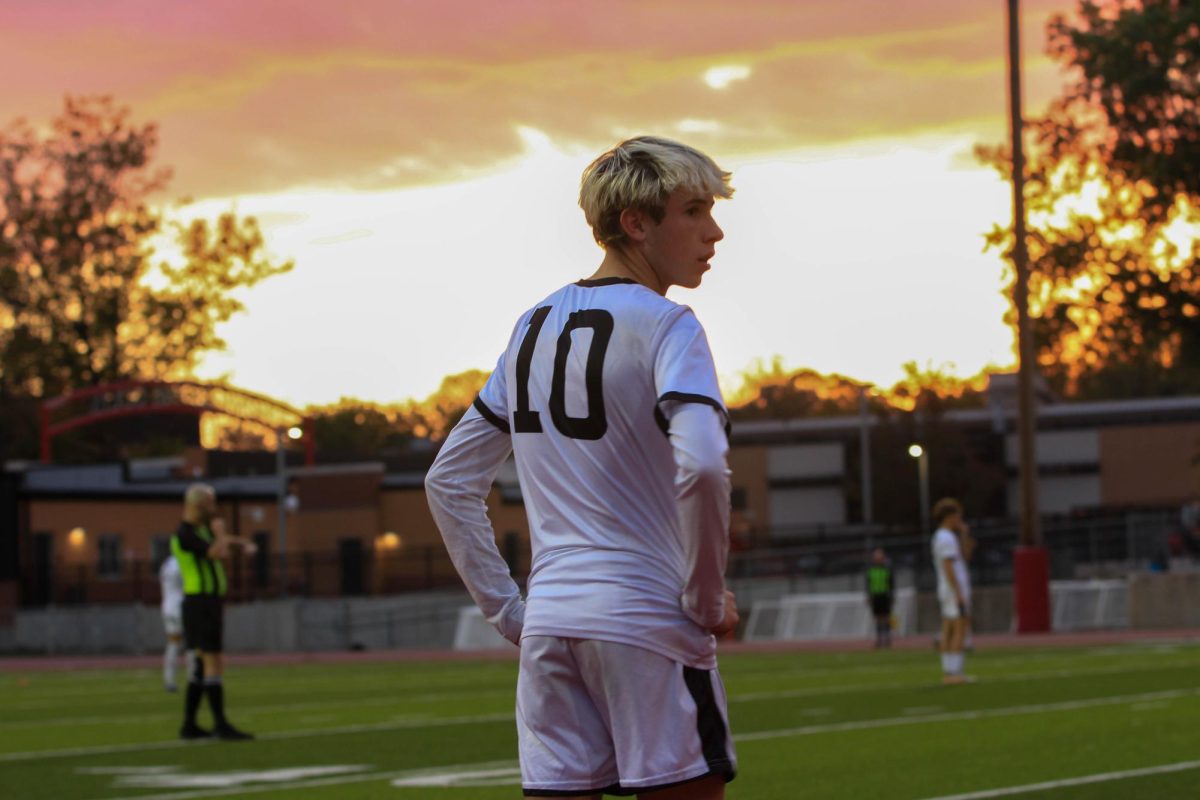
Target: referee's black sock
[216, 700]
[195, 690]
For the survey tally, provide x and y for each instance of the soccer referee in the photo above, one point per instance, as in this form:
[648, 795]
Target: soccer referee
[880, 588]
[198, 546]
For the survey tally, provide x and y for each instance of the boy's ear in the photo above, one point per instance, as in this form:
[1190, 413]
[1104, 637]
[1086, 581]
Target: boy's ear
[633, 223]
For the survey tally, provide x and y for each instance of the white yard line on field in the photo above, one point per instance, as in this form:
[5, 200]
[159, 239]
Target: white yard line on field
[487, 718]
[1019, 677]
[814, 691]
[955, 716]
[1082, 780]
[316, 783]
[301, 734]
[808, 730]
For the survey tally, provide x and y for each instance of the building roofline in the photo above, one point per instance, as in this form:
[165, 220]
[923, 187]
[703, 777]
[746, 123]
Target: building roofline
[1055, 413]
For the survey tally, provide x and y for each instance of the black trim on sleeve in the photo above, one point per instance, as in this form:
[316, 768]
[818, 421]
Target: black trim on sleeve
[589, 284]
[491, 416]
[687, 397]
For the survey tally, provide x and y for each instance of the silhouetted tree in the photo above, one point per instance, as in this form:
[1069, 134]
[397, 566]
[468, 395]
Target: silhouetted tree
[774, 392]
[1113, 194]
[358, 428]
[362, 428]
[83, 297]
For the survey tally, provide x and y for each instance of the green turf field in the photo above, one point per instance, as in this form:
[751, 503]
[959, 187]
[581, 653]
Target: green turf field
[808, 725]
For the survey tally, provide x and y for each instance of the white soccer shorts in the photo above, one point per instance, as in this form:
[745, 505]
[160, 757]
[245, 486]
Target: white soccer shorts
[172, 625]
[950, 609]
[596, 716]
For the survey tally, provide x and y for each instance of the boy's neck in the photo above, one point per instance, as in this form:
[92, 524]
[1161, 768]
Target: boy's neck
[621, 262]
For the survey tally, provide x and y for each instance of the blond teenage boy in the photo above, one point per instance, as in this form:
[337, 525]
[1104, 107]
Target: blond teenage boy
[607, 396]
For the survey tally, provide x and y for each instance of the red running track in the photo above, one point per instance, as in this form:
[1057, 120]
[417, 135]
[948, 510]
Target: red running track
[25, 664]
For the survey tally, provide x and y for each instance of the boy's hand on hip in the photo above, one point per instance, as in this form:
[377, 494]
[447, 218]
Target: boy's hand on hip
[730, 622]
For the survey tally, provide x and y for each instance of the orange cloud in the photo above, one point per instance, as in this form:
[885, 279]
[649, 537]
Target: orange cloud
[260, 96]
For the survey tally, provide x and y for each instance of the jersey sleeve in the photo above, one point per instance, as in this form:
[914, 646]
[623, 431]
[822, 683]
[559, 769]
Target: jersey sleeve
[683, 367]
[456, 488]
[492, 400]
[945, 546]
[685, 381]
[702, 500]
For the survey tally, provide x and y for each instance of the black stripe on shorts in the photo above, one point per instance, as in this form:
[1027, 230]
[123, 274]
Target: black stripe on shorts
[710, 726]
[709, 723]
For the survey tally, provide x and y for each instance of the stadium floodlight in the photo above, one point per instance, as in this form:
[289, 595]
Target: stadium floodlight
[282, 500]
[915, 450]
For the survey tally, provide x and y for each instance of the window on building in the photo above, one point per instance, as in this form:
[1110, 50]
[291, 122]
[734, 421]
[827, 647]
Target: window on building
[109, 547]
[160, 548]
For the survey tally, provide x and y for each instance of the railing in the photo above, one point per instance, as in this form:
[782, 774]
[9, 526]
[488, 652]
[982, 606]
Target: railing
[327, 574]
[1102, 546]
[1107, 546]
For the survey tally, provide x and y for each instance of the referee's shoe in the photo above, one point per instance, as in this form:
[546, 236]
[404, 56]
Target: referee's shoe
[194, 731]
[228, 733]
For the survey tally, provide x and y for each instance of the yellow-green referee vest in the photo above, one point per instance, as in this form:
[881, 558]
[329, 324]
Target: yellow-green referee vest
[201, 575]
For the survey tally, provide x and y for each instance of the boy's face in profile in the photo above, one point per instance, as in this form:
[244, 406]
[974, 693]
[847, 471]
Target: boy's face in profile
[680, 246]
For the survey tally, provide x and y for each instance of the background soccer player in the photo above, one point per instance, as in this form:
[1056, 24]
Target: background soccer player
[954, 593]
[171, 582]
[608, 397]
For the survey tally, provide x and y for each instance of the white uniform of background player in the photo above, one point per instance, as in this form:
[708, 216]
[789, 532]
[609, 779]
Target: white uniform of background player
[608, 398]
[954, 587]
[171, 581]
[946, 546]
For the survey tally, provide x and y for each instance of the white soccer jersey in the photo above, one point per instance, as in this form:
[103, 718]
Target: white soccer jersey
[171, 580]
[623, 549]
[945, 545]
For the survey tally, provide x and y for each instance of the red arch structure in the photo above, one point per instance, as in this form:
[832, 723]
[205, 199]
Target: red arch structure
[138, 398]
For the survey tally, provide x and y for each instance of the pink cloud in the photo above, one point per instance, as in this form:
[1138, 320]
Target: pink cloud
[257, 96]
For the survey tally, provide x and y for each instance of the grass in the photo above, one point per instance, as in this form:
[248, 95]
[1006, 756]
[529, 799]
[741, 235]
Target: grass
[811, 725]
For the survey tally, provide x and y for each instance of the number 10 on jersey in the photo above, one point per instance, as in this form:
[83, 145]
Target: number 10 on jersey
[595, 424]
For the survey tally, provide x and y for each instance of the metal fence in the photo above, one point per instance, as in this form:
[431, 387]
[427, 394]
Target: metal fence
[1079, 547]
[326, 574]
[1102, 546]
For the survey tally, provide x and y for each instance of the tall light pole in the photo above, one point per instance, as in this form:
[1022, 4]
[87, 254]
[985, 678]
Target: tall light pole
[1031, 568]
[864, 444]
[281, 507]
[922, 457]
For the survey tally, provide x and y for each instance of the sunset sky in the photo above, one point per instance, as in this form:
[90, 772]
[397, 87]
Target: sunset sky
[420, 162]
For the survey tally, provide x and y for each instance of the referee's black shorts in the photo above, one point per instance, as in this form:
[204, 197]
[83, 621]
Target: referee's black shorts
[881, 606]
[202, 618]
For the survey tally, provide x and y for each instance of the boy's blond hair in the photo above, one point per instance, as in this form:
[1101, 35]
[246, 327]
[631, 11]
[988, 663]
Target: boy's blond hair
[641, 173]
[944, 508]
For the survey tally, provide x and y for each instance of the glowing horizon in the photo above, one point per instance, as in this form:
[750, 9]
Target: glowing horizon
[422, 173]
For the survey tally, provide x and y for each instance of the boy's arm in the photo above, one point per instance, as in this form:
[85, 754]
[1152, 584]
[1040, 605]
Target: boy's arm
[457, 486]
[702, 494]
